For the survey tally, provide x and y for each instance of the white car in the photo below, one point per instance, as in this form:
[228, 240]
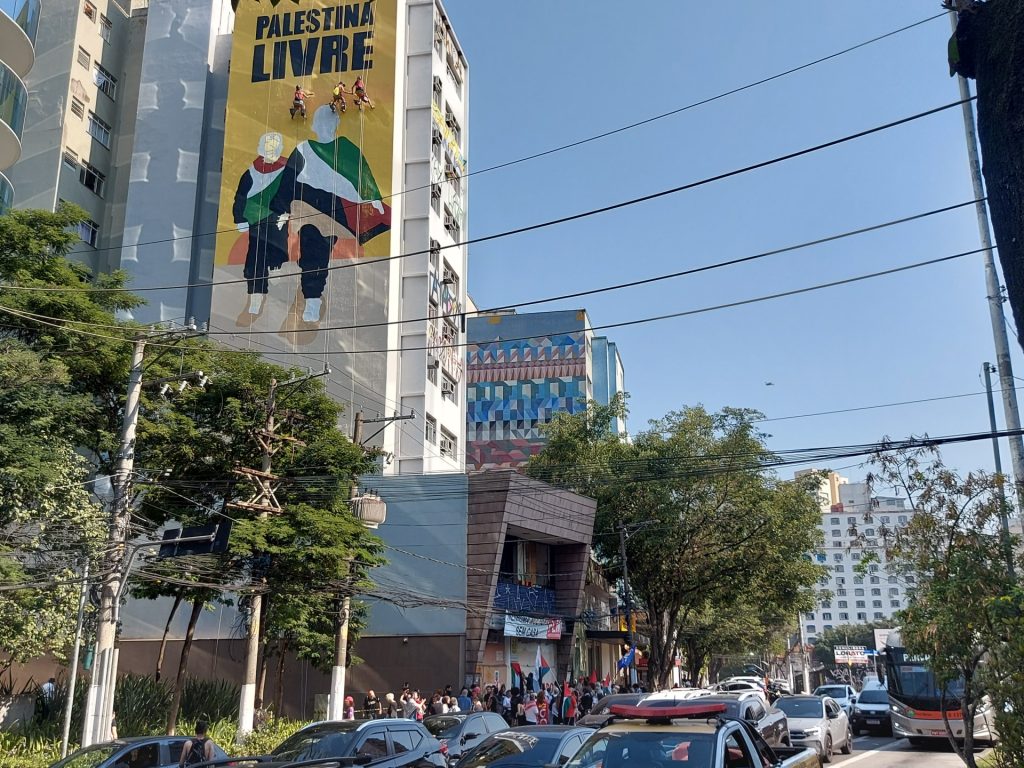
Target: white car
[818, 723]
[677, 694]
[742, 686]
[845, 695]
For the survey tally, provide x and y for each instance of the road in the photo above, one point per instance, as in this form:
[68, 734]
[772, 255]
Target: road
[885, 752]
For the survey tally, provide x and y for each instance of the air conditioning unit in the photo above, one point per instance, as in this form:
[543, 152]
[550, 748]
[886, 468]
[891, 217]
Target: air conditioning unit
[449, 222]
[447, 447]
[435, 136]
[447, 388]
[451, 122]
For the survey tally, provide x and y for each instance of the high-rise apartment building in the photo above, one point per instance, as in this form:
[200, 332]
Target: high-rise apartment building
[855, 525]
[149, 117]
[522, 370]
[19, 24]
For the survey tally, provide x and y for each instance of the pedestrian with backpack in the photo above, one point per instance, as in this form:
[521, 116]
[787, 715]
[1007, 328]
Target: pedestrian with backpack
[198, 749]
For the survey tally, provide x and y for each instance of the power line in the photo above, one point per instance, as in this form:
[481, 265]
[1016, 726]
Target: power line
[588, 139]
[560, 220]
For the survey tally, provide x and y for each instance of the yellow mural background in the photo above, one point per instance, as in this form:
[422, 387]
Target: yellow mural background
[254, 109]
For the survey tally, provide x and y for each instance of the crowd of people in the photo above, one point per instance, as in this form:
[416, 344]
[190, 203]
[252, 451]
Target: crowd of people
[549, 704]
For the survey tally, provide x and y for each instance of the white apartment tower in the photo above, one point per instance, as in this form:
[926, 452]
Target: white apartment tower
[854, 524]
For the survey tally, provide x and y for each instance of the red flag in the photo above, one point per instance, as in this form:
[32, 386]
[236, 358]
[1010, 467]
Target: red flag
[593, 677]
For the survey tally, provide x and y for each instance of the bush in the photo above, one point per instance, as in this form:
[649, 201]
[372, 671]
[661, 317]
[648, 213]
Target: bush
[140, 706]
[209, 700]
[264, 740]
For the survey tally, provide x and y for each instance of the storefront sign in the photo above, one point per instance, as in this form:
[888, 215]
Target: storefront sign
[537, 629]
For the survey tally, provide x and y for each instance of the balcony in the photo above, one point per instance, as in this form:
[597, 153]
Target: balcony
[13, 102]
[19, 21]
[510, 597]
[6, 195]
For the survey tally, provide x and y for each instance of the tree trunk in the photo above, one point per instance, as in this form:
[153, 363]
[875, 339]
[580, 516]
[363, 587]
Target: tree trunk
[997, 44]
[660, 655]
[163, 638]
[282, 648]
[179, 681]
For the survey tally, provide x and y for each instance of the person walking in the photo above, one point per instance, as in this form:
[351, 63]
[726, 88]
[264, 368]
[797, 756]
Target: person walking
[371, 705]
[198, 749]
[349, 709]
[530, 711]
[47, 697]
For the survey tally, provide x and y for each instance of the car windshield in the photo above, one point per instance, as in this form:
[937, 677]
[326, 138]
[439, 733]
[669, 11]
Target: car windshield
[443, 727]
[642, 749]
[511, 747]
[89, 757]
[835, 691]
[315, 742]
[873, 697]
[797, 708]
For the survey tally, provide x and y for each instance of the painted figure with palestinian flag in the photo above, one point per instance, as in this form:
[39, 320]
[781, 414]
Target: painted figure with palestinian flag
[329, 198]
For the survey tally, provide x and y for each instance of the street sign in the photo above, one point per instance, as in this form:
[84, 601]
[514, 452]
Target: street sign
[191, 541]
[850, 654]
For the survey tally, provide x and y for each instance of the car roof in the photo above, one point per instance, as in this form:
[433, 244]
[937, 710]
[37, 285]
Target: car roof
[544, 730]
[674, 726]
[455, 715]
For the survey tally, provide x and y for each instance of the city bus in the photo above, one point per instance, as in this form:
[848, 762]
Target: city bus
[914, 699]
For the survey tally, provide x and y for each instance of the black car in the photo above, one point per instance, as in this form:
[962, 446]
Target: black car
[137, 752]
[397, 743]
[529, 746]
[871, 712]
[459, 732]
[600, 711]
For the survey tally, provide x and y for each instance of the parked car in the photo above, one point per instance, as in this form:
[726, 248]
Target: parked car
[748, 707]
[529, 746]
[678, 694]
[817, 722]
[741, 686]
[459, 732]
[138, 752]
[600, 713]
[396, 743]
[688, 735]
[871, 712]
[845, 695]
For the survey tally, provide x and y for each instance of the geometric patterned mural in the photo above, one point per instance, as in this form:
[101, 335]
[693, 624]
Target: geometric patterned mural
[515, 387]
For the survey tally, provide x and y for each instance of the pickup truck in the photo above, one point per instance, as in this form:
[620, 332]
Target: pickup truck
[698, 735]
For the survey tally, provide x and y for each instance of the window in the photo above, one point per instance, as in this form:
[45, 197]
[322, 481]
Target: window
[902, 519]
[432, 366]
[451, 225]
[862, 617]
[449, 389]
[894, 603]
[911, 579]
[844, 617]
[452, 176]
[437, 90]
[839, 568]
[878, 615]
[449, 333]
[83, 57]
[403, 740]
[874, 579]
[876, 603]
[435, 254]
[836, 533]
[861, 604]
[453, 124]
[71, 159]
[89, 232]
[77, 108]
[435, 198]
[873, 568]
[835, 521]
[99, 130]
[89, 10]
[92, 179]
[105, 26]
[851, 521]
[892, 579]
[869, 532]
[811, 628]
[448, 277]
[821, 557]
[449, 444]
[374, 746]
[842, 604]
[840, 580]
[105, 81]
[809, 616]
[876, 592]
[826, 616]
[858, 579]
[439, 36]
[856, 557]
[826, 604]
[894, 592]
[838, 557]
[885, 519]
[841, 593]
[430, 429]
[859, 592]
[868, 518]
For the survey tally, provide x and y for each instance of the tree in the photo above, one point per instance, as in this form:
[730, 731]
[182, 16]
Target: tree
[846, 634]
[952, 544]
[990, 37]
[1005, 676]
[701, 513]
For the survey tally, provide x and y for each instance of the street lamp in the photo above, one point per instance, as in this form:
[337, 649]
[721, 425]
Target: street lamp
[371, 510]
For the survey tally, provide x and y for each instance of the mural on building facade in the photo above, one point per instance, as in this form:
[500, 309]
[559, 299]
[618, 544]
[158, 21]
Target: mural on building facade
[307, 183]
[515, 387]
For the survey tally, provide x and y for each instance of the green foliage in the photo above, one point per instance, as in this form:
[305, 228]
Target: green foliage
[710, 530]
[140, 705]
[262, 741]
[1005, 676]
[954, 547]
[846, 634]
[210, 700]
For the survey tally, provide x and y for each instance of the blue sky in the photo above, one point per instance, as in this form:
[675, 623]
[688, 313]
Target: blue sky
[544, 73]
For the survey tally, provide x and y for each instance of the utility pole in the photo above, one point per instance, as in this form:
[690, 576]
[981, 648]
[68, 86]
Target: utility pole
[263, 502]
[336, 700]
[628, 601]
[1004, 517]
[804, 666]
[73, 673]
[995, 293]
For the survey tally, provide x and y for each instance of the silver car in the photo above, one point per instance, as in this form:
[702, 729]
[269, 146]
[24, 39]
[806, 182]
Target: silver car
[817, 722]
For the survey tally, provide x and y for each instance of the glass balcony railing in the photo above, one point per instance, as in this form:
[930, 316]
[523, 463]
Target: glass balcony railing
[13, 99]
[25, 14]
[6, 195]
